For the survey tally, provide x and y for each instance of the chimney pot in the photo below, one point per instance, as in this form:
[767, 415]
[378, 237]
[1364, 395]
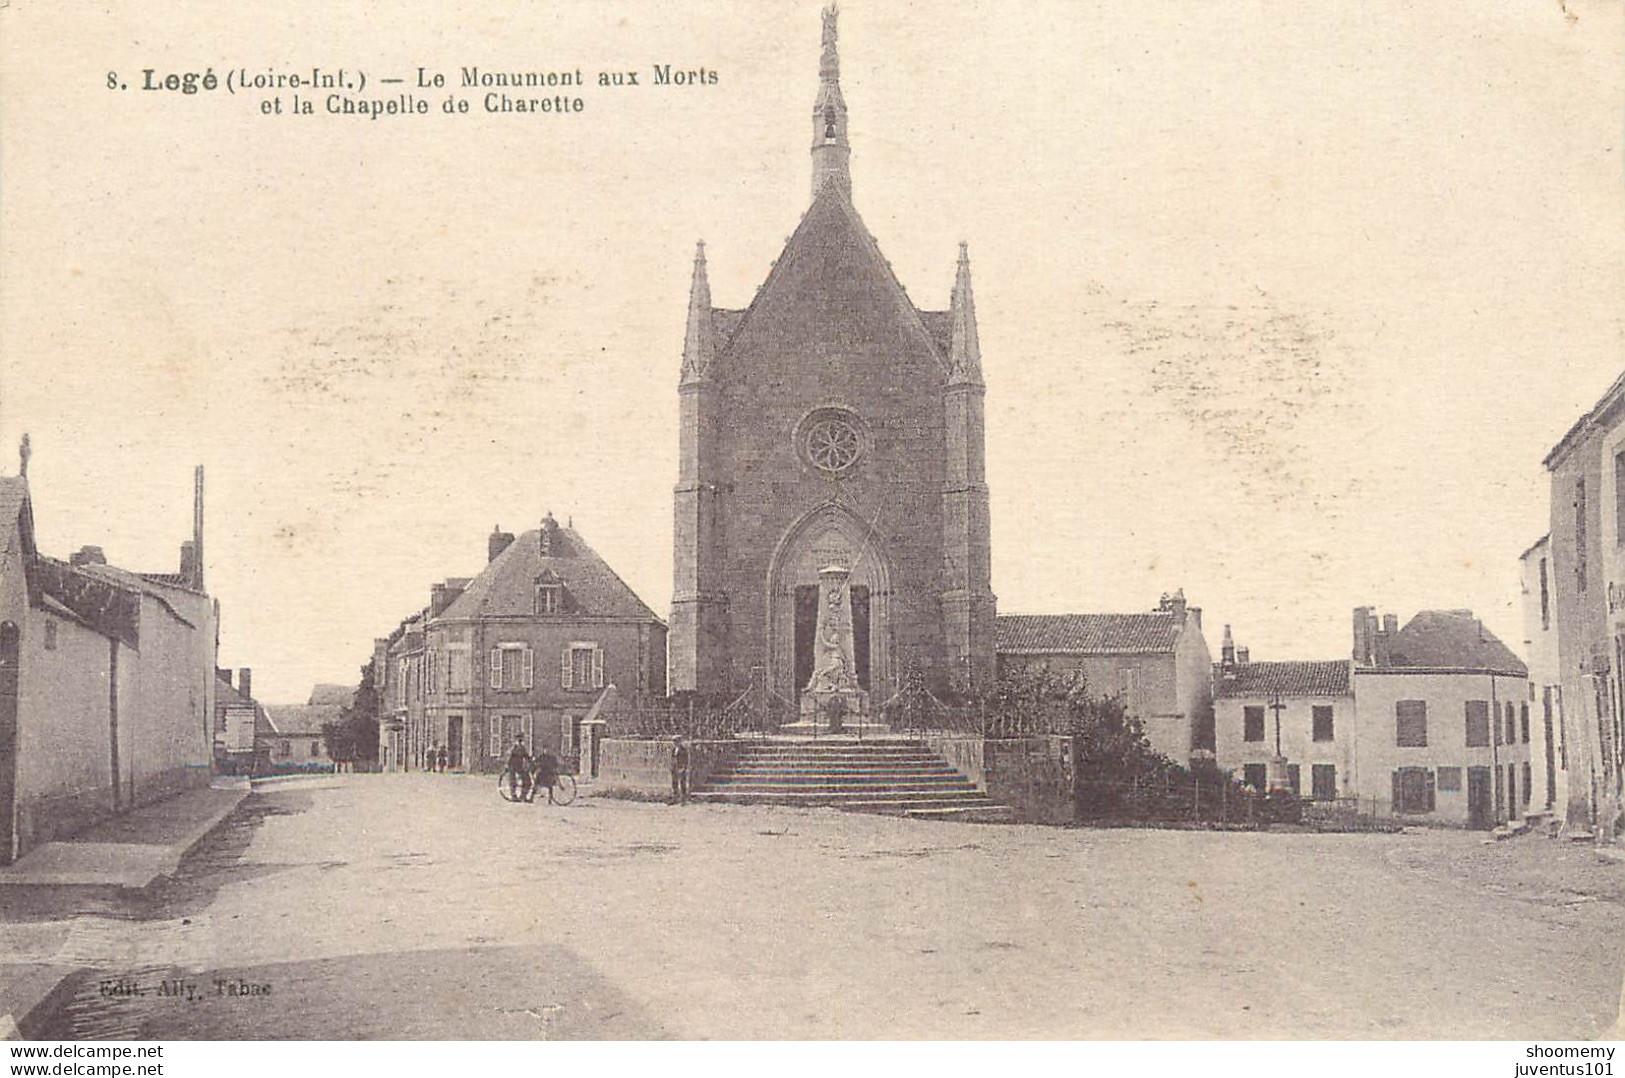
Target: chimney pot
[1242, 654]
[245, 684]
[497, 543]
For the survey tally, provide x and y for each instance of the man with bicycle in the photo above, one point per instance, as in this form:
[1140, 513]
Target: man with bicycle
[547, 773]
[519, 764]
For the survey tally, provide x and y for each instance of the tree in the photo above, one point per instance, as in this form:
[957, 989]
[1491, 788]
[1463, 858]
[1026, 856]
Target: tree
[355, 736]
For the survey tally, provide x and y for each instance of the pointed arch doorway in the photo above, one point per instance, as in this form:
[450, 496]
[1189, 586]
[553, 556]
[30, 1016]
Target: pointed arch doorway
[831, 534]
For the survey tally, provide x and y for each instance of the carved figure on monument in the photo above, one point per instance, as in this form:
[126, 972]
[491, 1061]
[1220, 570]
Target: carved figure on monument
[832, 666]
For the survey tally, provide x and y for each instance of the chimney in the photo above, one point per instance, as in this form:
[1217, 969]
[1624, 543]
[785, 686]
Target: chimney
[497, 543]
[1174, 604]
[1227, 650]
[1384, 638]
[546, 533]
[223, 674]
[1362, 636]
[88, 555]
[442, 595]
[1195, 613]
[1241, 656]
[245, 683]
[188, 562]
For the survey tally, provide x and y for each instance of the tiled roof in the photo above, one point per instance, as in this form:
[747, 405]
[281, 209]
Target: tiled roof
[1086, 634]
[1455, 640]
[291, 720]
[508, 584]
[1312, 678]
[339, 695]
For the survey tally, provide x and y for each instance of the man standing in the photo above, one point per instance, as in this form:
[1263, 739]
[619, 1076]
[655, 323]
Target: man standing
[519, 764]
[679, 770]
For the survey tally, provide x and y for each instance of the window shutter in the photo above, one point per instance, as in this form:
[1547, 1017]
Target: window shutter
[1432, 803]
[1397, 805]
[529, 671]
[496, 668]
[597, 667]
[564, 669]
[496, 738]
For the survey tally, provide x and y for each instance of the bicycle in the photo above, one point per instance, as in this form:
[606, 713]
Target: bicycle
[562, 792]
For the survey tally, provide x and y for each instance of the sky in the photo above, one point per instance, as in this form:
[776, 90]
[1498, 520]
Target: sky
[1280, 306]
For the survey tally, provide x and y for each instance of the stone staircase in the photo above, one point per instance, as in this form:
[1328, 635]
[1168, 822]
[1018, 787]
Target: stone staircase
[889, 775]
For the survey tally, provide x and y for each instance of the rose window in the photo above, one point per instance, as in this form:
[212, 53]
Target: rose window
[833, 445]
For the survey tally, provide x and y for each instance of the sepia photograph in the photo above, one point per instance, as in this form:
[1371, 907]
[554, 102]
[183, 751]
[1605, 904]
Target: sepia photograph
[791, 521]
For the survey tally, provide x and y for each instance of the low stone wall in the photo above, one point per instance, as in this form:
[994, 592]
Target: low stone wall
[641, 768]
[1030, 775]
[963, 754]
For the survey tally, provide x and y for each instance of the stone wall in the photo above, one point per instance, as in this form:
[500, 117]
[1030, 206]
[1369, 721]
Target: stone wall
[1030, 775]
[637, 767]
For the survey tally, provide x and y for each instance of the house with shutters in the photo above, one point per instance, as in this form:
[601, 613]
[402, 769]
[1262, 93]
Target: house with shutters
[1158, 663]
[1285, 725]
[529, 647]
[1428, 723]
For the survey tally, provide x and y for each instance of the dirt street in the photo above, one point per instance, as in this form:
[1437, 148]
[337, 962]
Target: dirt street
[420, 906]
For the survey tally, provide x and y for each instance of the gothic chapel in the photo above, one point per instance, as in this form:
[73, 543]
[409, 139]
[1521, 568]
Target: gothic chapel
[831, 430]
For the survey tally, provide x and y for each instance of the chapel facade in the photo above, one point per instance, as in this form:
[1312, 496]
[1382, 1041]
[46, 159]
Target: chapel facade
[831, 425]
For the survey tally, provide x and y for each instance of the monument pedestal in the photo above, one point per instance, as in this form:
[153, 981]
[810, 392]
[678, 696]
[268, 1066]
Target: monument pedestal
[840, 711]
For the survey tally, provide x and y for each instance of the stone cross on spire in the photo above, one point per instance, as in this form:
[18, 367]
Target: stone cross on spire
[830, 151]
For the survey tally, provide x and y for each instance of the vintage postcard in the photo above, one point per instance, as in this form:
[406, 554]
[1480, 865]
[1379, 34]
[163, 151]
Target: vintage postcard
[741, 521]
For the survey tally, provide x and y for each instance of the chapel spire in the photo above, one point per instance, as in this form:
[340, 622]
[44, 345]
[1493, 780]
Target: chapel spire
[829, 147]
[965, 350]
[700, 342]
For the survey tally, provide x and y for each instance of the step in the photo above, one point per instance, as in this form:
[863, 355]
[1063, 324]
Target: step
[858, 797]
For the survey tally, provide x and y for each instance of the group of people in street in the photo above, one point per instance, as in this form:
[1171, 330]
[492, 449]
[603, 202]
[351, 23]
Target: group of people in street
[527, 773]
[435, 758]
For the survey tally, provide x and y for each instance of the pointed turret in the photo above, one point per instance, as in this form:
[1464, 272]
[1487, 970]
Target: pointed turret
[965, 351]
[700, 342]
[829, 147]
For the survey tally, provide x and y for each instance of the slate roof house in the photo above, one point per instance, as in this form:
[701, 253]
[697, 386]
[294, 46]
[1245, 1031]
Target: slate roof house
[1429, 722]
[527, 647]
[1158, 662]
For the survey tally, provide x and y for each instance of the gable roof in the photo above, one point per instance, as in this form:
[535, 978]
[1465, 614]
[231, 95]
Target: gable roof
[830, 281]
[1291, 678]
[1085, 634]
[338, 695]
[293, 720]
[1453, 640]
[507, 586]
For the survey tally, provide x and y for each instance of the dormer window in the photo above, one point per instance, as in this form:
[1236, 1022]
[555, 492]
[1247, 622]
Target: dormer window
[549, 598]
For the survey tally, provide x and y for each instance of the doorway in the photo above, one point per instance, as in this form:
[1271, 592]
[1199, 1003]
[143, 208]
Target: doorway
[1480, 806]
[454, 742]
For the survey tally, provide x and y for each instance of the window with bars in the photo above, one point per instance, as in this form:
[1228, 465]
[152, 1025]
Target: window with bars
[1252, 723]
[1322, 720]
[1411, 724]
[1323, 781]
